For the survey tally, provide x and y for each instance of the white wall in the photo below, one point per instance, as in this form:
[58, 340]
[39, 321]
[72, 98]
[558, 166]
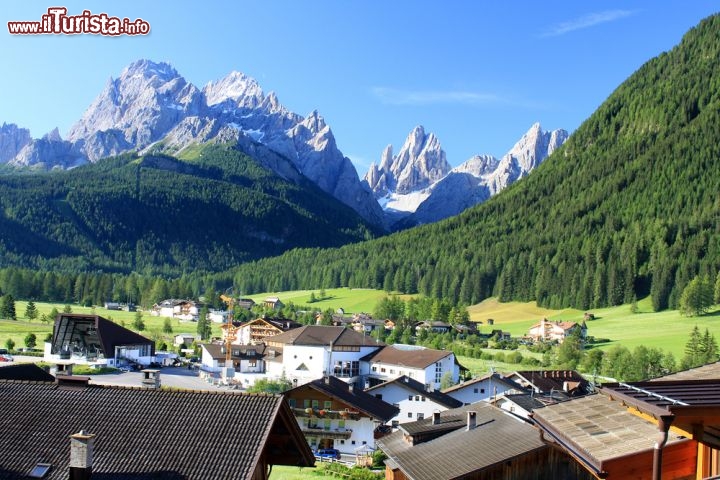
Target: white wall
[425, 376]
[395, 394]
[479, 391]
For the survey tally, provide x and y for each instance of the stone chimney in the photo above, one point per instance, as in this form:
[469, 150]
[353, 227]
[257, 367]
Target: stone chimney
[351, 387]
[81, 455]
[436, 418]
[63, 369]
[151, 378]
[326, 378]
[471, 420]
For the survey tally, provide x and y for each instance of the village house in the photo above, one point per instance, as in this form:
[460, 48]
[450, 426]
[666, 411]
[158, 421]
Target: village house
[523, 404]
[246, 364]
[273, 303]
[334, 414]
[547, 331]
[568, 382]
[186, 310]
[186, 339]
[474, 442]
[433, 326]
[425, 365]
[73, 429]
[413, 398]
[312, 351]
[663, 428]
[482, 388]
[256, 331]
[94, 340]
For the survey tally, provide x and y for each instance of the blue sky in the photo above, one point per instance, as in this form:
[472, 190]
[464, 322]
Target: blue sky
[476, 73]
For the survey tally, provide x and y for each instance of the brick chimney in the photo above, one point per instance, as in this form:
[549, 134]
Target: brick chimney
[471, 420]
[151, 378]
[82, 445]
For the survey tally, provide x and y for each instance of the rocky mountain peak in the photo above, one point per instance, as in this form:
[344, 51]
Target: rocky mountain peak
[420, 162]
[241, 89]
[12, 141]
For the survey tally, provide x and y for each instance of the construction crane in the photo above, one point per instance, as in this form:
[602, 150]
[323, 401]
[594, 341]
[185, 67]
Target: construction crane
[229, 328]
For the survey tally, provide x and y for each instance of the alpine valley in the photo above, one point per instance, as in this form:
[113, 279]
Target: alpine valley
[159, 176]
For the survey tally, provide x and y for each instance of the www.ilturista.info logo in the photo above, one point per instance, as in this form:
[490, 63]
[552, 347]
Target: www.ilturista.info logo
[57, 21]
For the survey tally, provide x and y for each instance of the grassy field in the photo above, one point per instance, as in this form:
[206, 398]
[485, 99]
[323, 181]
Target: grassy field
[17, 330]
[667, 330]
[280, 472]
[351, 300]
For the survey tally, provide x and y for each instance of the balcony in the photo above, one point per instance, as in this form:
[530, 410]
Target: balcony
[322, 413]
[333, 433]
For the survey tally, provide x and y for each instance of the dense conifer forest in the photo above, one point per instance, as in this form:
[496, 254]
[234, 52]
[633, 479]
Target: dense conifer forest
[159, 215]
[628, 207]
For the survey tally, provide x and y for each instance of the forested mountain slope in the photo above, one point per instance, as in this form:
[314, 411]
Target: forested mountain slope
[630, 205]
[159, 215]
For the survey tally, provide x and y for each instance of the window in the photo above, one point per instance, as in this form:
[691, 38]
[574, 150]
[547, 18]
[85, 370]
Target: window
[306, 403]
[364, 442]
[410, 397]
[422, 398]
[482, 390]
[310, 357]
[316, 403]
[353, 442]
[475, 390]
[291, 402]
[341, 424]
[327, 424]
[252, 363]
[417, 398]
[382, 370]
[420, 416]
[374, 368]
[409, 414]
[392, 371]
[342, 442]
[327, 404]
[395, 423]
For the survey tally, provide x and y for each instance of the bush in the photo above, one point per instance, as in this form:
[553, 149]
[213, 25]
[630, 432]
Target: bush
[499, 357]
[514, 357]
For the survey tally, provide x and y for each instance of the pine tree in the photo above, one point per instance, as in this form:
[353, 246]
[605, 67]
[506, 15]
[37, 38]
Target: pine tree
[7, 307]
[31, 312]
[696, 298]
[138, 322]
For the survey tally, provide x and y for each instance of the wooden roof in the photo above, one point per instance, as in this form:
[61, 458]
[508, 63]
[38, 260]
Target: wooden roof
[596, 429]
[413, 358]
[364, 402]
[146, 433]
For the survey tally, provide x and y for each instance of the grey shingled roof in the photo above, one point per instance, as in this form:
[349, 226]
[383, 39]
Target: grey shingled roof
[417, 387]
[711, 371]
[497, 437]
[144, 433]
[320, 335]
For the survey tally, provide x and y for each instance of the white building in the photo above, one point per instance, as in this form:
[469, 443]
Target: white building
[482, 388]
[312, 351]
[181, 309]
[413, 398]
[246, 365]
[334, 414]
[425, 365]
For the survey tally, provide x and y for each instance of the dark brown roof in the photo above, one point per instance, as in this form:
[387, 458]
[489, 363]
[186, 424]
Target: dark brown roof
[597, 429]
[109, 334]
[413, 385]
[496, 438]
[364, 402]
[323, 335]
[146, 433]
[216, 351]
[416, 357]
[555, 380]
[663, 397]
[25, 371]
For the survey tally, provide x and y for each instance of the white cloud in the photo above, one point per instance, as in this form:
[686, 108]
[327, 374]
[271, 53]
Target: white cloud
[587, 21]
[394, 96]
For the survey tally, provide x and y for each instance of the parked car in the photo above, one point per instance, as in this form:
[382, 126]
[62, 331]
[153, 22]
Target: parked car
[328, 453]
